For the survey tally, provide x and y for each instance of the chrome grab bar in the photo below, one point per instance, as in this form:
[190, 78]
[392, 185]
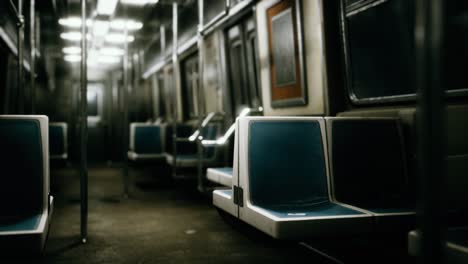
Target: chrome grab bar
[224, 138]
[204, 123]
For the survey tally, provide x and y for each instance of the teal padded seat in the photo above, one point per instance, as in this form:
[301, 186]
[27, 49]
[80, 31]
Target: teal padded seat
[187, 151]
[146, 141]
[282, 178]
[369, 170]
[58, 140]
[221, 176]
[25, 204]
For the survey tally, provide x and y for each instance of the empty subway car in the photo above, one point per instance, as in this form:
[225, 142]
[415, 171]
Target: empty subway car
[227, 131]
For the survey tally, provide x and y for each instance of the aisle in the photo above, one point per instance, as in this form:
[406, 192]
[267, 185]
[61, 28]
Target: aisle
[162, 222]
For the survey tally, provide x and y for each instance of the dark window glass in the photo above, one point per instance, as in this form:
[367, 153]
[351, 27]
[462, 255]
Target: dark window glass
[456, 44]
[3, 73]
[212, 9]
[190, 85]
[242, 57]
[380, 50]
[189, 22]
[92, 103]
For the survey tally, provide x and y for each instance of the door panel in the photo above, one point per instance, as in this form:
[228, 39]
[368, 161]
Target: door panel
[242, 65]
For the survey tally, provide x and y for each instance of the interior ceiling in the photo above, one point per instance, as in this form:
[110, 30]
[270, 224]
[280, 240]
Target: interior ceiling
[151, 16]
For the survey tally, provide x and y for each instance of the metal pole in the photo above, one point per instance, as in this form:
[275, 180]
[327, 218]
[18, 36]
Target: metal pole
[175, 76]
[20, 25]
[201, 55]
[431, 126]
[125, 95]
[84, 128]
[32, 40]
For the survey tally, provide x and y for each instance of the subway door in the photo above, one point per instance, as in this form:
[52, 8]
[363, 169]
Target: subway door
[97, 123]
[242, 64]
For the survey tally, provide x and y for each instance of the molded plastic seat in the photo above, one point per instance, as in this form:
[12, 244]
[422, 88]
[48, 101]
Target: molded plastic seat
[368, 169]
[222, 176]
[456, 245]
[58, 140]
[146, 141]
[187, 152]
[25, 204]
[281, 184]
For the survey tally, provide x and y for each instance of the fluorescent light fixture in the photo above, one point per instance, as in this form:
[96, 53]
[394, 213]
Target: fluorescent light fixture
[73, 22]
[71, 50]
[120, 24]
[73, 58]
[100, 28]
[138, 2]
[92, 62]
[112, 51]
[73, 36]
[108, 59]
[106, 7]
[118, 38]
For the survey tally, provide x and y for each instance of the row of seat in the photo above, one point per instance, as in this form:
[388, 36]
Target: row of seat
[149, 141]
[455, 206]
[25, 202]
[296, 177]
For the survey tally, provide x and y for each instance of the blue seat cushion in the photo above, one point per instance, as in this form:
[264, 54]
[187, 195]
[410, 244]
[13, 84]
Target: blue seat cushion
[27, 223]
[147, 139]
[21, 163]
[286, 163]
[56, 140]
[324, 209]
[227, 170]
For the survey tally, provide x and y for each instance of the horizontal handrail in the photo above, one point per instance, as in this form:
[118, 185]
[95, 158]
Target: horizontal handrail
[224, 138]
[203, 124]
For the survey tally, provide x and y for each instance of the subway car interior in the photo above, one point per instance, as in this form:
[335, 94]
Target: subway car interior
[233, 131]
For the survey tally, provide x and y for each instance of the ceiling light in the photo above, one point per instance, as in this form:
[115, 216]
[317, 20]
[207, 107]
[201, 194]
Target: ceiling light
[112, 51]
[72, 50]
[118, 38]
[100, 28]
[120, 24]
[73, 58]
[108, 59]
[106, 7]
[73, 22]
[138, 2]
[73, 36]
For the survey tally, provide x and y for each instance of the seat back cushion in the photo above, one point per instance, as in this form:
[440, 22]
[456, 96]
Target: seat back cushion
[21, 163]
[147, 139]
[286, 164]
[368, 163]
[56, 140]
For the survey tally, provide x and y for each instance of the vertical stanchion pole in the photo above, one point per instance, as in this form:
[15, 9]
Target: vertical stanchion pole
[201, 56]
[175, 77]
[20, 25]
[125, 95]
[431, 126]
[84, 128]
[32, 41]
